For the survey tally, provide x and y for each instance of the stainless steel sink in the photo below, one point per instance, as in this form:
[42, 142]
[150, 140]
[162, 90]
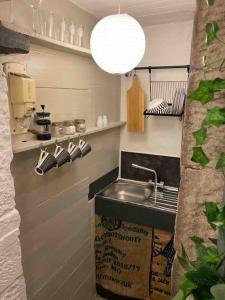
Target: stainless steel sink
[129, 191]
[142, 193]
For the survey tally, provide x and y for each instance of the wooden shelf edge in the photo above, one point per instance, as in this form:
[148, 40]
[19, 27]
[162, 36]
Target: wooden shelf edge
[23, 142]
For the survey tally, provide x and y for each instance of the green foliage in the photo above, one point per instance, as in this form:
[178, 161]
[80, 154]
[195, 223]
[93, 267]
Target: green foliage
[184, 260]
[203, 278]
[215, 117]
[212, 29]
[215, 215]
[207, 89]
[179, 296]
[200, 136]
[187, 286]
[221, 162]
[202, 94]
[210, 2]
[199, 156]
[205, 93]
[205, 254]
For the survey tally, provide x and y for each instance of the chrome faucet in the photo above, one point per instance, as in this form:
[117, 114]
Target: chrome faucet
[148, 170]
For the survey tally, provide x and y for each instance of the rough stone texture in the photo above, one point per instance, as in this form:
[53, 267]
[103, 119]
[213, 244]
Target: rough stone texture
[9, 222]
[10, 261]
[12, 285]
[16, 291]
[204, 15]
[199, 184]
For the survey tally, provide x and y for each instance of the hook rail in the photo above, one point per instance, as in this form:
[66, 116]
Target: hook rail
[150, 68]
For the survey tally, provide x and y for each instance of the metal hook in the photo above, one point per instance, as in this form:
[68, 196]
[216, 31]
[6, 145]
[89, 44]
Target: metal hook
[80, 137]
[56, 143]
[42, 147]
[73, 139]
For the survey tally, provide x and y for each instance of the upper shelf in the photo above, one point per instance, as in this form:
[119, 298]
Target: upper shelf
[57, 45]
[39, 39]
[27, 141]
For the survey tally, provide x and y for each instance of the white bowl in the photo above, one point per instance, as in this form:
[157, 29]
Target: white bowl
[157, 106]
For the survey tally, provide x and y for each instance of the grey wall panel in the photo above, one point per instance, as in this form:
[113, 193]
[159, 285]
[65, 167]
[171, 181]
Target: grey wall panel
[55, 218]
[60, 277]
[77, 278]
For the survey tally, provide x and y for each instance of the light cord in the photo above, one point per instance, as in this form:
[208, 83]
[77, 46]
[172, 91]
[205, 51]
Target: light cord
[119, 7]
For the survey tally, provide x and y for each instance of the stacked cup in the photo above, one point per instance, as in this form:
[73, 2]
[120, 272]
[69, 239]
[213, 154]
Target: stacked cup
[61, 156]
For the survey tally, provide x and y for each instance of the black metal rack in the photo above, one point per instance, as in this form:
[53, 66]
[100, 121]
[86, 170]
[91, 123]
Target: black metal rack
[150, 68]
[147, 114]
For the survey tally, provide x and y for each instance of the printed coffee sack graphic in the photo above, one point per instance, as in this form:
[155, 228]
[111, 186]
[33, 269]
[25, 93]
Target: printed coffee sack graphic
[119, 266]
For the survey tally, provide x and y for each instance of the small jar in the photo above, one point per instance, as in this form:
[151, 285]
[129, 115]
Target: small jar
[69, 127]
[57, 129]
[80, 125]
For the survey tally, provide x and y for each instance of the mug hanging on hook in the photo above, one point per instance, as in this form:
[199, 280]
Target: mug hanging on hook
[46, 161]
[84, 147]
[74, 150]
[62, 156]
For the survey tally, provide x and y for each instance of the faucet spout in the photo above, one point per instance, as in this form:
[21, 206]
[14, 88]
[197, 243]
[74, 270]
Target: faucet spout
[148, 170]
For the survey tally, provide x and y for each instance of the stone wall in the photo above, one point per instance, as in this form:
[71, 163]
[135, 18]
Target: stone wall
[12, 285]
[199, 184]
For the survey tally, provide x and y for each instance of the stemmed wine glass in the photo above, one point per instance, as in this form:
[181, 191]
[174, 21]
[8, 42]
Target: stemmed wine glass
[12, 15]
[80, 33]
[35, 5]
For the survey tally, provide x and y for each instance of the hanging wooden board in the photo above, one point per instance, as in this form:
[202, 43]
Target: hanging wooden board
[135, 107]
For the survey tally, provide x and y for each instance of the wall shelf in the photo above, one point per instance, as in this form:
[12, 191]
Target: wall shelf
[26, 142]
[57, 45]
[38, 39]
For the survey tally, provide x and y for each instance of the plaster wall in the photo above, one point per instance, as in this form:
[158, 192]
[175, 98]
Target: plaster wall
[12, 285]
[167, 44]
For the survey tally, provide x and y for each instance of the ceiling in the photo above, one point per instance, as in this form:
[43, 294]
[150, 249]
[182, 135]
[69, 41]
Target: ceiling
[148, 12]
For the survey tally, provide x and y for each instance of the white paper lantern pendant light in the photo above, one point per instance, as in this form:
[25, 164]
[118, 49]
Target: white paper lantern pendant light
[117, 43]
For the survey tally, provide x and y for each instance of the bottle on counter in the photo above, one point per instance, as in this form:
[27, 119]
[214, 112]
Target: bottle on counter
[105, 120]
[99, 122]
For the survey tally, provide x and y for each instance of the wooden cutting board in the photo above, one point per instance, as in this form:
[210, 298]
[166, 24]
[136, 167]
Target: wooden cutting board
[135, 107]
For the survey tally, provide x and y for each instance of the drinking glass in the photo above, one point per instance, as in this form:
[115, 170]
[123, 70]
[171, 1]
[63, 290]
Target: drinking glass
[35, 6]
[80, 34]
[12, 12]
